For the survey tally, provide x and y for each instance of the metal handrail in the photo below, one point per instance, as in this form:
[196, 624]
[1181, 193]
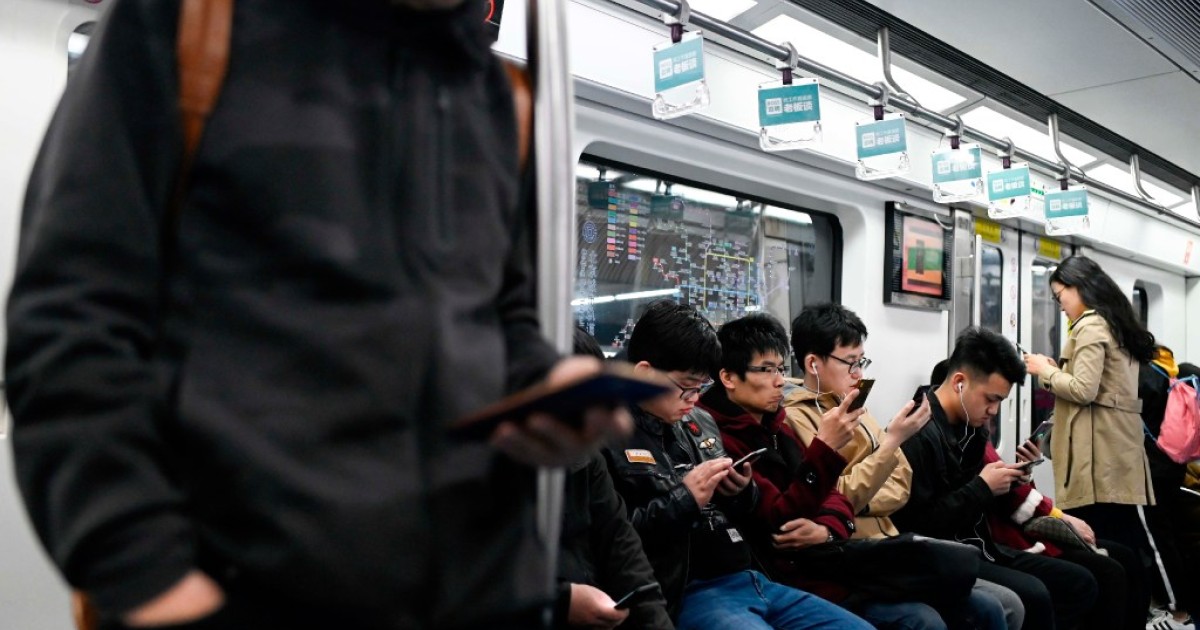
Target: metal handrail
[874, 92]
[553, 121]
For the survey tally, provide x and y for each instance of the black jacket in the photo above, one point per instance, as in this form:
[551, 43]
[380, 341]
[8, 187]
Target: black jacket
[660, 507]
[349, 273]
[948, 499]
[599, 547]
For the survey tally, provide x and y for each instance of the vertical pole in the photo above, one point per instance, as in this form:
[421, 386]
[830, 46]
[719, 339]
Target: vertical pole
[553, 121]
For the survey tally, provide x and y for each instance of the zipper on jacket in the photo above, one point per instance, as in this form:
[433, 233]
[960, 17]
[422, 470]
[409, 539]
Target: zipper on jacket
[440, 204]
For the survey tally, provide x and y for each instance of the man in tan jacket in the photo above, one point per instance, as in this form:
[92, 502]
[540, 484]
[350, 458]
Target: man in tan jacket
[827, 341]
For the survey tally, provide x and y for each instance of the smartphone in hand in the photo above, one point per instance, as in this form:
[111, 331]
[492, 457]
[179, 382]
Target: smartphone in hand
[616, 384]
[864, 388]
[1028, 466]
[1041, 432]
[919, 398]
[750, 457]
[635, 596]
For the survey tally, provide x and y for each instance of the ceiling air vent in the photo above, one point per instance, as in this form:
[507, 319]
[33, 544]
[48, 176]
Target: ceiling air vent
[1172, 27]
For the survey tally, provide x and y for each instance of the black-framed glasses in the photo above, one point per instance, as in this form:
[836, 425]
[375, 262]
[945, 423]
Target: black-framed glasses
[688, 392]
[858, 364]
[769, 370]
[1056, 295]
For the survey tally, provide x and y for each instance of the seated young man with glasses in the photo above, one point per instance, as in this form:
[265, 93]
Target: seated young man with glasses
[798, 484]
[828, 341]
[683, 494]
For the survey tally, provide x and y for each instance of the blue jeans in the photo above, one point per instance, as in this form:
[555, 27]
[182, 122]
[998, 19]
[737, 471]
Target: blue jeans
[747, 600]
[901, 616]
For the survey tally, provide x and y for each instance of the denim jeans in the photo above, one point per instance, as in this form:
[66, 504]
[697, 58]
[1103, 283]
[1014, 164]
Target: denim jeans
[901, 616]
[748, 600]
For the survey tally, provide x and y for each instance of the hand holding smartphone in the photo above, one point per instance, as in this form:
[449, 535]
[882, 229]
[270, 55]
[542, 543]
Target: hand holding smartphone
[616, 384]
[635, 596]
[919, 398]
[1028, 466]
[864, 389]
[750, 457]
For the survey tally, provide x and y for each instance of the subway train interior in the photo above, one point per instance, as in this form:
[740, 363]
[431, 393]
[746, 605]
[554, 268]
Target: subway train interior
[688, 190]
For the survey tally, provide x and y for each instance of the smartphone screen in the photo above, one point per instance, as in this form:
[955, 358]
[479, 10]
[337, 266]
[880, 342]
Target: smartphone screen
[750, 457]
[864, 388]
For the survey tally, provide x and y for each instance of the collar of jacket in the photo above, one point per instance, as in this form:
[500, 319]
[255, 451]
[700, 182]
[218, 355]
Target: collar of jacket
[1165, 359]
[798, 394]
[951, 435]
[729, 415]
[647, 422]
[1082, 316]
[453, 36]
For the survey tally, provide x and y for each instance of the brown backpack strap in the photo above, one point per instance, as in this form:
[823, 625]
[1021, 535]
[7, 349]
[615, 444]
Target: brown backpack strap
[202, 48]
[522, 91]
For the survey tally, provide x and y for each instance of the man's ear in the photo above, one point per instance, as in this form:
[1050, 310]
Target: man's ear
[642, 368]
[727, 379]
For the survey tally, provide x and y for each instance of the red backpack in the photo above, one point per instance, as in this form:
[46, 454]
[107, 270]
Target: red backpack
[1179, 436]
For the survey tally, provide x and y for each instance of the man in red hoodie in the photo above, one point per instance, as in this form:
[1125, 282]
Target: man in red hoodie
[798, 485]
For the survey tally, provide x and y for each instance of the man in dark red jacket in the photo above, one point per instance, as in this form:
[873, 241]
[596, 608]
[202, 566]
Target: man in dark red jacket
[800, 504]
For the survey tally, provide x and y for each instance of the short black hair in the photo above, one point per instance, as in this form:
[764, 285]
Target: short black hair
[982, 353]
[938, 375]
[674, 337]
[586, 345]
[743, 337]
[820, 328]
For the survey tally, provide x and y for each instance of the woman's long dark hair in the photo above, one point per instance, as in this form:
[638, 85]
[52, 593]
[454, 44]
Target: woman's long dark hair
[1098, 292]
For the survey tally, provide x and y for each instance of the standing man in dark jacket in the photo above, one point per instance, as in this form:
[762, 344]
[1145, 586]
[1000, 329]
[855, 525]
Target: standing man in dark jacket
[953, 490]
[240, 416]
[685, 498]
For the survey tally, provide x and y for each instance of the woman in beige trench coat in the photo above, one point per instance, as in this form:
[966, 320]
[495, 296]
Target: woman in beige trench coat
[1101, 473]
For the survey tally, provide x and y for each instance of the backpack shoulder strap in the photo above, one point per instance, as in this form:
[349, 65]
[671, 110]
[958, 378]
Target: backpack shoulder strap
[202, 51]
[522, 91]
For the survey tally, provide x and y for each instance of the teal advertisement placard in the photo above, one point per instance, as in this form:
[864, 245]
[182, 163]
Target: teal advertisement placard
[788, 104]
[1066, 203]
[956, 165]
[1008, 183]
[881, 137]
[679, 64]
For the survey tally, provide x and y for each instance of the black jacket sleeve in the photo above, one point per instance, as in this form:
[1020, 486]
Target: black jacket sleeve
[83, 313]
[620, 560]
[935, 508]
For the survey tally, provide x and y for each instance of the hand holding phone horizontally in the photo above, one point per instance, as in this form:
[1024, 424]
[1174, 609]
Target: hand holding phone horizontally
[750, 458]
[615, 384]
[581, 403]
[636, 595]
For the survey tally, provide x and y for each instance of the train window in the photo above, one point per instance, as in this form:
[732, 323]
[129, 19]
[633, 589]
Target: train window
[644, 235]
[991, 290]
[1141, 303]
[1047, 333]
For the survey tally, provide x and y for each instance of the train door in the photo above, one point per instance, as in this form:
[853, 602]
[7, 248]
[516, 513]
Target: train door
[986, 294]
[1043, 327]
